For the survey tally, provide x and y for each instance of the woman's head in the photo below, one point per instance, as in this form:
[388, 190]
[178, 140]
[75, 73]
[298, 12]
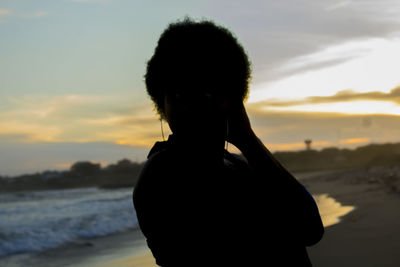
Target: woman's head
[197, 62]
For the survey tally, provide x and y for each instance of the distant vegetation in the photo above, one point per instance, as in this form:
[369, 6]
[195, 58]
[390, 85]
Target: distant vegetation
[81, 174]
[125, 172]
[374, 155]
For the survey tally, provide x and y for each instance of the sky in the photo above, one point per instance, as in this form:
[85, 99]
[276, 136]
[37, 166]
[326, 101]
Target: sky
[72, 88]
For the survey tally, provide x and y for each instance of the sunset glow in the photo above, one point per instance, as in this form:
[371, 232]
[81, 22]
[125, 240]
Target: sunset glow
[353, 107]
[72, 75]
[362, 66]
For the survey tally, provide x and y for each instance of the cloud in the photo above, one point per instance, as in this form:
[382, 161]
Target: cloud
[36, 14]
[86, 118]
[43, 106]
[26, 15]
[275, 32]
[338, 5]
[373, 67]
[4, 13]
[80, 118]
[331, 55]
[355, 140]
[341, 96]
[288, 130]
[29, 131]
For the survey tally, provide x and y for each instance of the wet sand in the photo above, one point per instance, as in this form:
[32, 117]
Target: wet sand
[368, 236]
[143, 260]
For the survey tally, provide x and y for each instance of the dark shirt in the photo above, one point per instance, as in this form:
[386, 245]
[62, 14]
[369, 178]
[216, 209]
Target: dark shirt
[197, 212]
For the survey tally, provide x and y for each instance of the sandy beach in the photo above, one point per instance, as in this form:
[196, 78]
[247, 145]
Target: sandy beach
[367, 236]
[370, 234]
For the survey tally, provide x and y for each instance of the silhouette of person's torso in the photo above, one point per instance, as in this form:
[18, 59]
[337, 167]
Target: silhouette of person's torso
[196, 212]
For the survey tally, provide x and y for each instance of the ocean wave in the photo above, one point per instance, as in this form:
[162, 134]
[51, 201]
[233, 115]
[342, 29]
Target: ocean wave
[39, 220]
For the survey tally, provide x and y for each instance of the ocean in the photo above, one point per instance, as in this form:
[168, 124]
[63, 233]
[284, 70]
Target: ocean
[38, 220]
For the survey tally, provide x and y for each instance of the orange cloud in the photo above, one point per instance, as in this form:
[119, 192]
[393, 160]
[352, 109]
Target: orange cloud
[341, 96]
[5, 12]
[80, 118]
[74, 118]
[355, 140]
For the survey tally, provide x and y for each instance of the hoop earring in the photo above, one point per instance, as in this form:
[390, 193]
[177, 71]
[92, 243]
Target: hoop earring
[162, 130]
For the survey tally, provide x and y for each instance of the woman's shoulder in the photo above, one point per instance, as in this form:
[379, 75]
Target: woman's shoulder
[157, 158]
[152, 173]
[159, 148]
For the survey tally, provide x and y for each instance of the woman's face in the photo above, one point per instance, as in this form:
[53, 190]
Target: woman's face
[197, 114]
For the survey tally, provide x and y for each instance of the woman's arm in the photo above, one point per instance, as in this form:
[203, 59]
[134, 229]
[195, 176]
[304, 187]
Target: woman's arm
[296, 207]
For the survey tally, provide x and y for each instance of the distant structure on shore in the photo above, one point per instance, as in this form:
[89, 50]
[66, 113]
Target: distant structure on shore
[308, 144]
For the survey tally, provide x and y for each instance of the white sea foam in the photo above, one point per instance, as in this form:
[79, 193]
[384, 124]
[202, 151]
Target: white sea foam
[33, 221]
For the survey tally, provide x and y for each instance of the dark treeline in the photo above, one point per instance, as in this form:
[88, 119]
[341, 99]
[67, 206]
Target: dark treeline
[81, 174]
[373, 155]
[125, 172]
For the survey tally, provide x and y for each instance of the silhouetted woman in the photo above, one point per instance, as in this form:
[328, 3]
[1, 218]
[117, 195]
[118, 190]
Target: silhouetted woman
[198, 204]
